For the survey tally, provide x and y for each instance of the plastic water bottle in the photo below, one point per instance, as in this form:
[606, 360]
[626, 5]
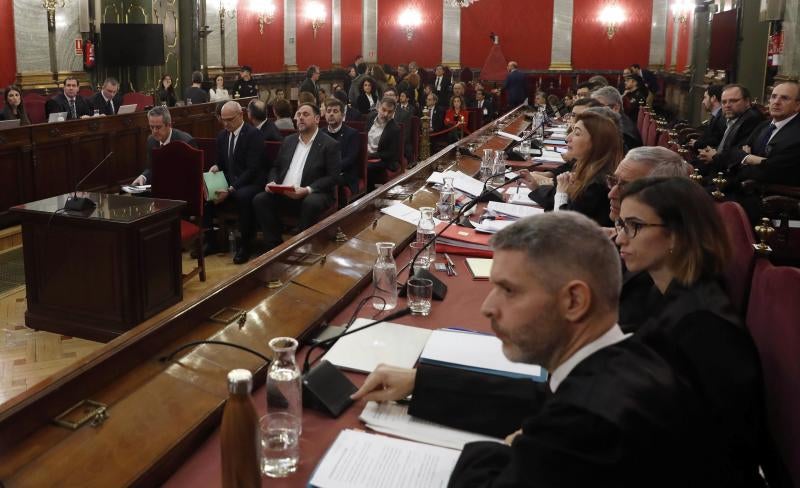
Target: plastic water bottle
[447, 200]
[384, 278]
[282, 426]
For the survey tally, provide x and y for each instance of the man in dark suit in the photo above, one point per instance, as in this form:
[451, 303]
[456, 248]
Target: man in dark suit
[257, 113]
[310, 162]
[195, 93]
[161, 134]
[309, 85]
[611, 98]
[741, 119]
[714, 128]
[383, 142]
[108, 100]
[441, 86]
[240, 149]
[350, 114]
[484, 105]
[772, 152]
[436, 122]
[69, 101]
[348, 140]
[515, 85]
[402, 116]
[607, 396]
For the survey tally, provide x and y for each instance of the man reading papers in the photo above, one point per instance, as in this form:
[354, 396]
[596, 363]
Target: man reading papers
[613, 413]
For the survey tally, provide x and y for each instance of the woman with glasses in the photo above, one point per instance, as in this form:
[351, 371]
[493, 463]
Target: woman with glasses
[670, 229]
[595, 149]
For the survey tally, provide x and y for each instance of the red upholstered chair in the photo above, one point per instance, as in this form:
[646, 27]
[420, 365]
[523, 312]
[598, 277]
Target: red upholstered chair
[640, 121]
[34, 107]
[178, 175]
[772, 318]
[663, 139]
[652, 135]
[345, 194]
[85, 92]
[739, 273]
[141, 100]
[286, 132]
[209, 147]
[356, 124]
[271, 149]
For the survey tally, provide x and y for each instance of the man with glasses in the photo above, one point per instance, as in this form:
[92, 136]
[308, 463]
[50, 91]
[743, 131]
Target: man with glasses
[161, 134]
[240, 155]
[741, 118]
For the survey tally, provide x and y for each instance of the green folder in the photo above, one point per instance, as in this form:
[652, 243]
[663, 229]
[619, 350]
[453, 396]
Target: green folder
[214, 181]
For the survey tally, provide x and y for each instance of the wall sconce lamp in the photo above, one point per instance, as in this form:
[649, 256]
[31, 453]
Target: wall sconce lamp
[266, 14]
[50, 6]
[681, 9]
[612, 16]
[315, 12]
[409, 19]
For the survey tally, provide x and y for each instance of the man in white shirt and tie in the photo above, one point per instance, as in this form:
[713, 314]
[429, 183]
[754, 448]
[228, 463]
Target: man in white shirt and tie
[302, 181]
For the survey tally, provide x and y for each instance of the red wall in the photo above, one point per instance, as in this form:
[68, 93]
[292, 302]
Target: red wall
[425, 47]
[264, 53]
[8, 56]
[591, 47]
[684, 31]
[525, 28]
[351, 31]
[312, 50]
[668, 54]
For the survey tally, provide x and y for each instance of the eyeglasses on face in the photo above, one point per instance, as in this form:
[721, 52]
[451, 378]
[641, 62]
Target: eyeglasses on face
[614, 180]
[632, 227]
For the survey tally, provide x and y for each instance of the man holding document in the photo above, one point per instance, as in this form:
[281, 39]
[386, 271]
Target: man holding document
[613, 412]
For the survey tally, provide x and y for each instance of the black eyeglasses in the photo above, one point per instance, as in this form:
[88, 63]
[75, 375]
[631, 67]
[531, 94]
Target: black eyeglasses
[613, 180]
[632, 227]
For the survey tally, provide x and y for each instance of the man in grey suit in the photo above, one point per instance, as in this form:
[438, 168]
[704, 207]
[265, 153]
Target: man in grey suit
[161, 134]
[309, 162]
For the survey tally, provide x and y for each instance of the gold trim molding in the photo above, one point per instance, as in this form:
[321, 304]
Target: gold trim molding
[38, 80]
[560, 67]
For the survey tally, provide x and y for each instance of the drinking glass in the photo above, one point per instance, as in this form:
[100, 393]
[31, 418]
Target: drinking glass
[420, 292]
[424, 258]
[280, 444]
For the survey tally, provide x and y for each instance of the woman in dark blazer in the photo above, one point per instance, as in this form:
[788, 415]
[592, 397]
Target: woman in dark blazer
[596, 148]
[369, 96]
[14, 108]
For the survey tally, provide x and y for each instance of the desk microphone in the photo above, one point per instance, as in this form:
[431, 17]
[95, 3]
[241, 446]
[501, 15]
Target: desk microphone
[79, 204]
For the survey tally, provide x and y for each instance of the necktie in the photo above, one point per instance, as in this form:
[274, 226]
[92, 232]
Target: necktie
[230, 149]
[730, 123]
[72, 111]
[438, 83]
[110, 108]
[761, 145]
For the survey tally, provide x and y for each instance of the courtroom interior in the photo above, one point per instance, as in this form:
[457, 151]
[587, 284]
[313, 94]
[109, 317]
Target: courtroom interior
[400, 243]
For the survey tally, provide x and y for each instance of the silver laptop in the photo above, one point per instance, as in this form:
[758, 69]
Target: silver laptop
[126, 109]
[57, 117]
[9, 124]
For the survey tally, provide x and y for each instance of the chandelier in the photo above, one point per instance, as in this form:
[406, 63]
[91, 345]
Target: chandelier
[460, 3]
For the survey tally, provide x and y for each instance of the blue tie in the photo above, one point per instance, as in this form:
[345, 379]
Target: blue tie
[761, 145]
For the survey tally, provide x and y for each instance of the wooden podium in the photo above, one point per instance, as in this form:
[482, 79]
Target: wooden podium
[98, 273]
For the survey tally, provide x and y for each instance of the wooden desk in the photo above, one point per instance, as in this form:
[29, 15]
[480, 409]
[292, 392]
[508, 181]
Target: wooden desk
[159, 413]
[98, 273]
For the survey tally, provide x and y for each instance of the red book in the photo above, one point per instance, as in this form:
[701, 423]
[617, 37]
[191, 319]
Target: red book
[463, 240]
[281, 188]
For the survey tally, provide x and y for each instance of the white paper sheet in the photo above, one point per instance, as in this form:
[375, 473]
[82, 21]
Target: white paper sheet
[392, 418]
[405, 213]
[516, 211]
[509, 136]
[361, 460]
[493, 226]
[388, 342]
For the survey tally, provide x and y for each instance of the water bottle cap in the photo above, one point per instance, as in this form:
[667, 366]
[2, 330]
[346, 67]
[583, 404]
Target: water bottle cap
[240, 381]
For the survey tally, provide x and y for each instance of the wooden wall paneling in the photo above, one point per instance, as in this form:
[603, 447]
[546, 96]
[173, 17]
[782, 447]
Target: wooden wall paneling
[16, 168]
[160, 263]
[52, 169]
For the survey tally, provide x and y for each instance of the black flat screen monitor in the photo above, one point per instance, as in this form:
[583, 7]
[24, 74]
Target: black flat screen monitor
[132, 44]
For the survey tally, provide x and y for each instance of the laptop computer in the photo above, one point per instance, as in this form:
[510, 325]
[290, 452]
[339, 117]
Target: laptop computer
[57, 117]
[9, 124]
[126, 109]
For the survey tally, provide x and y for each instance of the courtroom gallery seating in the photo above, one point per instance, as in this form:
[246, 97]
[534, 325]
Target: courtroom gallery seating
[740, 270]
[34, 107]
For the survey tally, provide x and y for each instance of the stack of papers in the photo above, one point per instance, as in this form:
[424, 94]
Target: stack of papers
[387, 342]
[475, 352]
[515, 211]
[361, 460]
[135, 189]
[509, 136]
[405, 213]
[392, 418]
[550, 157]
[518, 195]
[481, 268]
[489, 226]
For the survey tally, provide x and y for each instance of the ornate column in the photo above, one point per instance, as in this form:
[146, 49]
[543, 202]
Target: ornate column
[561, 50]
[698, 52]
[290, 35]
[658, 34]
[336, 33]
[369, 34]
[451, 35]
[790, 62]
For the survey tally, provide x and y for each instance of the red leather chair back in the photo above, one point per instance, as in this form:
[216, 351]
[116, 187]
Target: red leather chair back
[652, 135]
[773, 322]
[287, 132]
[640, 121]
[209, 147]
[140, 99]
[85, 92]
[356, 124]
[740, 272]
[178, 175]
[34, 107]
[663, 139]
[271, 149]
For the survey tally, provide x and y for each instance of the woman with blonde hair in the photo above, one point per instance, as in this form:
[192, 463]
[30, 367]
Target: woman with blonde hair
[594, 148]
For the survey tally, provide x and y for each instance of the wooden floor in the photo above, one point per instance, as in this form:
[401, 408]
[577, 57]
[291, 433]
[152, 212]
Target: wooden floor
[28, 356]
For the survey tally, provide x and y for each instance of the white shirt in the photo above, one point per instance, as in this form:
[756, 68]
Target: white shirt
[438, 83]
[218, 94]
[374, 136]
[611, 337]
[294, 176]
[780, 125]
[560, 198]
[168, 139]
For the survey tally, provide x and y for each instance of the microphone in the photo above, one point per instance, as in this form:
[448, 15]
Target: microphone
[79, 204]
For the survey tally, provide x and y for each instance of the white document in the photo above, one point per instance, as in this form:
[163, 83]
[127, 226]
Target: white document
[516, 211]
[518, 195]
[387, 342]
[391, 418]
[361, 460]
[466, 184]
[134, 189]
[474, 351]
[405, 213]
[555, 140]
[436, 178]
[509, 136]
[492, 226]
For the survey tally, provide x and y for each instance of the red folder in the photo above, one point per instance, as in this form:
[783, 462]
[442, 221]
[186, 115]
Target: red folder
[464, 241]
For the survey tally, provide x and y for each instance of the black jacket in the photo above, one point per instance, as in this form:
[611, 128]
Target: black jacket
[322, 167]
[740, 132]
[271, 132]
[782, 165]
[593, 202]
[349, 145]
[59, 103]
[98, 102]
[388, 145]
[712, 132]
[248, 164]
